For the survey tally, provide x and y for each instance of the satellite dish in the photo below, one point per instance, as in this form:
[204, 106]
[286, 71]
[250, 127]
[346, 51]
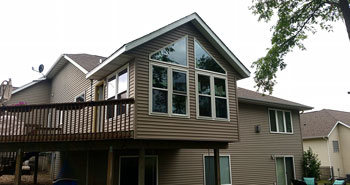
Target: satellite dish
[41, 68]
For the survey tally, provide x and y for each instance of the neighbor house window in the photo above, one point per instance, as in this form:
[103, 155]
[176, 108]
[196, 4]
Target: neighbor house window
[80, 97]
[225, 170]
[280, 121]
[169, 94]
[335, 146]
[117, 88]
[175, 53]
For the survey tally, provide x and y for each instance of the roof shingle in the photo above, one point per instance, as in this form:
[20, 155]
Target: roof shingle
[320, 123]
[87, 61]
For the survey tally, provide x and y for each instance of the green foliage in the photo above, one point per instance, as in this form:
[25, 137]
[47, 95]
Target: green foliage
[295, 19]
[311, 164]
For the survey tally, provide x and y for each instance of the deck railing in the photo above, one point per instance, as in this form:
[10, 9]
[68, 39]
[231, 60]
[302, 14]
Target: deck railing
[78, 121]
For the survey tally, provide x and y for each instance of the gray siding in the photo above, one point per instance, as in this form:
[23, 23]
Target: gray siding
[69, 83]
[36, 94]
[251, 161]
[160, 127]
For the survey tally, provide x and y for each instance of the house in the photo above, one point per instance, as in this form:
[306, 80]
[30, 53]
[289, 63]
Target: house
[162, 109]
[327, 133]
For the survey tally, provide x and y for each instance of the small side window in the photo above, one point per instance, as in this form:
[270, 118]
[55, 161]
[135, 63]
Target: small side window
[335, 146]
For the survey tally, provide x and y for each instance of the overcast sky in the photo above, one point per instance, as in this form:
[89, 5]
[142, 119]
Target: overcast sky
[38, 32]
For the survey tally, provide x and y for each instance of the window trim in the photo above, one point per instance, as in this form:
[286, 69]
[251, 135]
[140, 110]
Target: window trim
[221, 155]
[195, 62]
[82, 93]
[115, 74]
[284, 120]
[333, 146]
[179, 65]
[136, 156]
[284, 162]
[212, 95]
[170, 68]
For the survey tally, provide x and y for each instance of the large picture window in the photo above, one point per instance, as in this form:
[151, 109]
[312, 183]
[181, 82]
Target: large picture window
[225, 170]
[212, 101]
[280, 121]
[204, 60]
[117, 88]
[169, 90]
[175, 53]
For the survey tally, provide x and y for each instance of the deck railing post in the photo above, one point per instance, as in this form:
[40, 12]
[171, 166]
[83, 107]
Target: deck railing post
[18, 169]
[217, 166]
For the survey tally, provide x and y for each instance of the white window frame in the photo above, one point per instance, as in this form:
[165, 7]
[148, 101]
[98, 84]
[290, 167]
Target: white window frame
[170, 68]
[221, 155]
[285, 167]
[136, 156]
[83, 93]
[115, 74]
[195, 62]
[284, 121]
[212, 95]
[333, 146]
[179, 65]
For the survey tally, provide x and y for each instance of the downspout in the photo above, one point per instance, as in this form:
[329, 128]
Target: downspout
[329, 157]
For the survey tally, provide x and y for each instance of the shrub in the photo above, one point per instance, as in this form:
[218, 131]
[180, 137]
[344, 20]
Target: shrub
[311, 164]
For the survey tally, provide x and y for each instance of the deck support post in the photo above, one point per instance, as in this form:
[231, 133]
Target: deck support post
[110, 166]
[18, 170]
[141, 167]
[87, 167]
[36, 166]
[217, 166]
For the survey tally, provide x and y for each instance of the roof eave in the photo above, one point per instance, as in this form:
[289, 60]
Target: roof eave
[273, 104]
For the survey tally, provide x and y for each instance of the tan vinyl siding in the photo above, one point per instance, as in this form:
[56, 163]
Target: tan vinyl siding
[69, 83]
[36, 94]
[160, 127]
[251, 156]
[318, 146]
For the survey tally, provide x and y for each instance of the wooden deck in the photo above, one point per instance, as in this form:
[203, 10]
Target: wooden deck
[83, 121]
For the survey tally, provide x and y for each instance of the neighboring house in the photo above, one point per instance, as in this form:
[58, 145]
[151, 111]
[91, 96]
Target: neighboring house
[327, 133]
[162, 109]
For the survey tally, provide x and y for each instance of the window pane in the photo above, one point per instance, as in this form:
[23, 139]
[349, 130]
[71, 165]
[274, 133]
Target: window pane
[175, 53]
[121, 108]
[209, 171]
[160, 101]
[160, 77]
[150, 171]
[179, 104]
[203, 84]
[205, 61]
[225, 173]
[273, 121]
[281, 173]
[280, 121]
[204, 106]
[111, 87]
[179, 81]
[225, 170]
[221, 108]
[335, 146]
[80, 98]
[288, 122]
[290, 169]
[123, 81]
[220, 87]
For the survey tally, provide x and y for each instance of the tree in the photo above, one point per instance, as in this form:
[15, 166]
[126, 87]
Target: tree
[296, 18]
[311, 164]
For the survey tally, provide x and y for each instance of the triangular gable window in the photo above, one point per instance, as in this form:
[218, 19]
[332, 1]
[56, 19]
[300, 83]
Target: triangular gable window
[205, 61]
[175, 53]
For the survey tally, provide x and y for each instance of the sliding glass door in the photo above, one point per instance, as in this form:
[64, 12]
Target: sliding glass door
[129, 170]
[284, 170]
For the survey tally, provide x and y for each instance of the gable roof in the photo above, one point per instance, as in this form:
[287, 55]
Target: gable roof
[84, 62]
[248, 96]
[119, 56]
[321, 123]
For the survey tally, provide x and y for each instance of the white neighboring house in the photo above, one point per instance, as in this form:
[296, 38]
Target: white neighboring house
[327, 133]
